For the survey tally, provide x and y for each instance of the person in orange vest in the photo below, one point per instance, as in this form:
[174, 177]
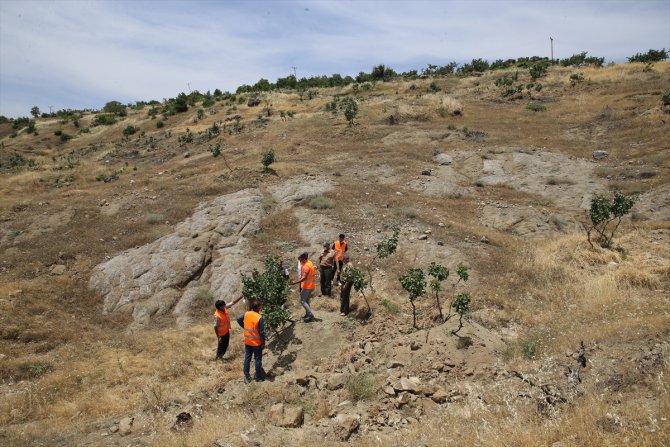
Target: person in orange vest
[307, 284]
[340, 248]
[222, 326]
[254, 341]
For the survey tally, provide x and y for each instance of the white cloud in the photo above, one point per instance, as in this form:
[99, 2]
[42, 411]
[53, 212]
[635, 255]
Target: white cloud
[57, 50]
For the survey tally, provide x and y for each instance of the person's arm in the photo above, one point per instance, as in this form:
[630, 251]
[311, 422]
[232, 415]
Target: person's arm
[240, 320]
[261, 330]
[303, 276]
[216, 323]
[228, 306]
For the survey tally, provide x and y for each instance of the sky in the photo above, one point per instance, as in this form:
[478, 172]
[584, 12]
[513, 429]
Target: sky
[82, 54]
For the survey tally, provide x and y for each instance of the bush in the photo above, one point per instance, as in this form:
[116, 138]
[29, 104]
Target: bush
[666, 98]
[271, 288]
[128, 131]
[104, 119]
[581, 59]
[160, 124]
[154, 218]
[537, 71]
[181, 103]
[360, 386]
[321, 203]
[536, 107]
[433, 87]
[267, 159]
[349, 107]
[115, 108]
[65, 137]
[603, 212]
[649, 56]
[414, 282]
[575, 78]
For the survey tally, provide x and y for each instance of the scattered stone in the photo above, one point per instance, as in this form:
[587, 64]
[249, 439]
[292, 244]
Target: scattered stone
[283, 416]
[440, 243]
[414, 346]
[336, 382]
[398, 193]
[484, 240]
[422, 237]
[403, 399]
[426, 172]
[411, 384]
[57, 269]
[368, 348]
[126, 425]
[388, 389]
[346, 425]
[187, 154]
[440, 396]
[114, 428]
[599, 155]
[395, 364]
[441, 225]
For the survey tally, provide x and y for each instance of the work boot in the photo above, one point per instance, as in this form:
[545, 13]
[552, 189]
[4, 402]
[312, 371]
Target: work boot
[247, 379]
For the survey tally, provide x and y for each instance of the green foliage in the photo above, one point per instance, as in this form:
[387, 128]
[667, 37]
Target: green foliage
[462, 272]
[267, 159]
[216, 150]
[271, 288]
[181, 103]
[185, 138]
[104, 119]
[581, 60]
[666, 98]
[35, 111]
[536, 107]
[361, 386]
[433, 87]
[649, 56]
[575, 78]
[3, 119]
[21, 122]
[390, 307]
[538, 70]
[439, 273]
[154, 218]
[414, 283]
[65, 137]
[349, 107]
[200, 114]
[383, 73]
[462, 306]
[358, 282]
[321, 203]
[603, 212]
[16, 160]
[115, 108]
[385, 248]
[476, 66]
[160, 124]
[129, 130]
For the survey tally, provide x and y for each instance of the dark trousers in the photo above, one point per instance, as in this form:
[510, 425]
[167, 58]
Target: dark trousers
[257, 352]
[345, 293]
[326, 280]
[223, 346]
[340, 264]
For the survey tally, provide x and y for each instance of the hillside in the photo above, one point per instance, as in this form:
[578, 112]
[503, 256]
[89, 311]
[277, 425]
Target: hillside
[115, 247]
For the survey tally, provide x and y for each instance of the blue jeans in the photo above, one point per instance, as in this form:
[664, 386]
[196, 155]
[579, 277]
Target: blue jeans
[257, 352]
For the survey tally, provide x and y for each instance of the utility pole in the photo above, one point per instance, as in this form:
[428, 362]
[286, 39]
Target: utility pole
[189, 86]
[551, 39]
[294, 73]
[50, 109]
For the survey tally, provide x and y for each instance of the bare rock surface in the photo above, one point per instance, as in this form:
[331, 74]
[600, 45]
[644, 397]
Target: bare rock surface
[152, 279]
[297, 189]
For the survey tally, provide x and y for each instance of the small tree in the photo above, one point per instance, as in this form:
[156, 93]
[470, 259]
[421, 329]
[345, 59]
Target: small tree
[603, 212]
[357, 278]
[116, 108]
[215, 150]
[414, 282]
[270, 288]
[385, 248]
[439, 274]
[35, 111]
[268, 159]
[349, 107]
[649, 56]
[462, 306]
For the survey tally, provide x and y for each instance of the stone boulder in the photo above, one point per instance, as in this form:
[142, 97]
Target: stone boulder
[285, 416]
[346, 425]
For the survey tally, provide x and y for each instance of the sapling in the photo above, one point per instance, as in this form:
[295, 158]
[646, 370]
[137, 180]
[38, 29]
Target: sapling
[462, 306]
[439, 274]
[414, 282]
[357, 278]
[385, 248]
[605, 211]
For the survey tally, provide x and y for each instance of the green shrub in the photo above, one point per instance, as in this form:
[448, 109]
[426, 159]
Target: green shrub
[267, 159]
[603, 212]
[115, 108]
[536, 107]
[349, 107]
[576, 77]
[649, 56]
[129, 130]
[271, 289]
[433, 87]
[160, 124]
[414, 282]
[409, 213]
[537, 71]
[666, 98]
[321, 203]
[104, 119]
[390, 307]
[361, 386]
[154, 218]
[65, 137]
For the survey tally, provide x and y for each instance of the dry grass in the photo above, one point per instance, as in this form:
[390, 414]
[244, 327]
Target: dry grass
[69, 372]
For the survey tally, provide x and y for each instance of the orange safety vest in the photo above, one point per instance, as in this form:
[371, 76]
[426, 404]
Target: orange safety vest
[252, 334]
[224, 322]
[339, 249]
[308, 283]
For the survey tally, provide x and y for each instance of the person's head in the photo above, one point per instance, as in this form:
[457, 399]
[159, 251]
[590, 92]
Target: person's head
[220, 304]
[341, 237]
[345, 259]
[326, 245]
[303, 257]
[256, 306]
